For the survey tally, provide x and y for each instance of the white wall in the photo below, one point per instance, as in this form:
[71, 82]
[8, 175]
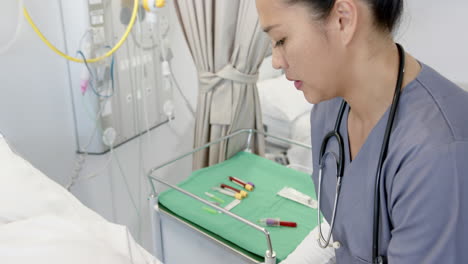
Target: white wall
[36, 111]
[36, 117]
[435, 32]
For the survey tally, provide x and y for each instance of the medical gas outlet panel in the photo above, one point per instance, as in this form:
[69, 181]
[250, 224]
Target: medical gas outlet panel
[123, 96]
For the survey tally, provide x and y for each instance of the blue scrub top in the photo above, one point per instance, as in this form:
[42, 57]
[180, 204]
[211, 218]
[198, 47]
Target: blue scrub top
[424, 184]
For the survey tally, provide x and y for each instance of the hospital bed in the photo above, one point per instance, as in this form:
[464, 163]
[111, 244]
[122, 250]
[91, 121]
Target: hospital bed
[286, 114]
[41, 222]
[181, 237]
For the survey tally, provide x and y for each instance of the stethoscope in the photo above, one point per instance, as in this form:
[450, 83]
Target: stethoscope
[325, 242]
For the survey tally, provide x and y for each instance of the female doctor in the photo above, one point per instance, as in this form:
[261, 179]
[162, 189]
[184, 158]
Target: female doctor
[389, 133]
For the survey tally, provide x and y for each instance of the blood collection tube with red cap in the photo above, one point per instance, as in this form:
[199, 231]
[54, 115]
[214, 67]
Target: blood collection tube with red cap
[276, 222]
[246, 185]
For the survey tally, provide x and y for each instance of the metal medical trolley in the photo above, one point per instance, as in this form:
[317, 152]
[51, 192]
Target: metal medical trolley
[176, 240]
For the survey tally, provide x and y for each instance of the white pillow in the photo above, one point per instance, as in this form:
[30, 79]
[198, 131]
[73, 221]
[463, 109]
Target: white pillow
[281, 105]
[281, 95]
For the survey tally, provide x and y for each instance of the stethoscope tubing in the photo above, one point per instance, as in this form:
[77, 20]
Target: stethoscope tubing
[383, 154]
[340, 165]
[321, 239]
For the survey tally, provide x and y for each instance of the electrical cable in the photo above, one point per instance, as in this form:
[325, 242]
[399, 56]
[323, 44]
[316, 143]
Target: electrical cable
[81, 158]
[140, 249]
[87, 32]
[94, 78]
[97, 172]
[143, 75]
[190, 108]
[124, 178]
[139, 53]
[88, 106]
[136, 75]
[140, 45]
[172, 77]
[141, 163]
[135, 80]
[109, 53]
[142, 167]
[90, 82]
[19, 25]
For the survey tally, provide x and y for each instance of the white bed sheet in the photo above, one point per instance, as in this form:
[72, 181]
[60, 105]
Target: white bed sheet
[41, 222]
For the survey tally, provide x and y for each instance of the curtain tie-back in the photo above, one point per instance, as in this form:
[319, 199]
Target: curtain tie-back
[209, 80]
[222, 98]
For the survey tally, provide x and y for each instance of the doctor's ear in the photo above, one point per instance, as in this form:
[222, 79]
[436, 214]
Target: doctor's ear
[343, 19]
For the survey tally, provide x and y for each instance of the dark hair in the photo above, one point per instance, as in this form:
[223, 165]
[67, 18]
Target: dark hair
[386, 13]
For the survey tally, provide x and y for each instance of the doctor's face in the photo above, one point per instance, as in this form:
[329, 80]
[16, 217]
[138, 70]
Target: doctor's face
[303, 47]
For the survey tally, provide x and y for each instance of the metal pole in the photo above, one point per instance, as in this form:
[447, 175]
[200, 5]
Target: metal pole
[270, 258]
[249, 142]
[156, 229]
[250, 131]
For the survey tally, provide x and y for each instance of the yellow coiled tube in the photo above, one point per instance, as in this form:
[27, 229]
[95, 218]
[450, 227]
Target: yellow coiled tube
[68, 57]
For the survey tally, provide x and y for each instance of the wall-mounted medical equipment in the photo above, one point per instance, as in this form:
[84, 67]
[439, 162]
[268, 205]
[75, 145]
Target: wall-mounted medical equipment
[126, 95]
[121, 89]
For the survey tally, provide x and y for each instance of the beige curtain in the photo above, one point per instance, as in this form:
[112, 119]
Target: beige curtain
[228, 46]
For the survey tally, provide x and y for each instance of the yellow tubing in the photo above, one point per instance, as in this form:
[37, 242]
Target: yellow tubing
[68, 57]
[160, 3]
[146, 5]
